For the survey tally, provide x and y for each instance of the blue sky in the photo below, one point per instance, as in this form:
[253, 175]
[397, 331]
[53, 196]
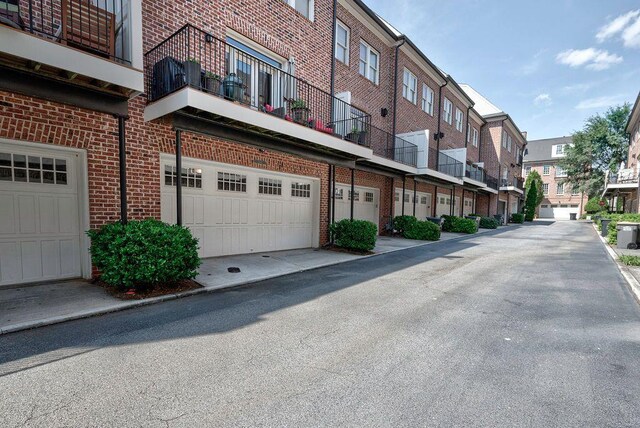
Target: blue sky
[550, 64]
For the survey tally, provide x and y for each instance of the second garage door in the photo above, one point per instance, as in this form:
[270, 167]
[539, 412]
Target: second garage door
[238, 210]
[366, 203]
[423, 203]
[558, 211]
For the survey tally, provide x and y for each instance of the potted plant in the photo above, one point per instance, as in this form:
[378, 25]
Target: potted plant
[354, 135]
[212, 83]
[192, 72]
[232, 85]
[299, 111]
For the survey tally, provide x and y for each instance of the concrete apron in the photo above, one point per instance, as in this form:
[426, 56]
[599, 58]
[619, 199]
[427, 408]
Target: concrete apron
[25, 307]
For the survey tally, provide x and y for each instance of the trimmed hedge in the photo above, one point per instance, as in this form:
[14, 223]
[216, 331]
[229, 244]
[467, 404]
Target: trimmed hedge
[488, 223]
[358, 235]
[142, 254]
[403, 222]
[422, 230]
[517, 218]
[459, 225]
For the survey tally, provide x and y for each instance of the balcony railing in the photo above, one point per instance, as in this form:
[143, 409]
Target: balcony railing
[395, 148]
[101, 27]
[624, 176]
[512, 182]
[475, 173]
[194, 58]
[492, 182]
[445, 164]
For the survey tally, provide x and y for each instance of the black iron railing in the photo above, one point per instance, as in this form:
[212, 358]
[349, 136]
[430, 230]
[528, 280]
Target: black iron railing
[231, 70]
[445, 164]
[475, 173]
[512, 182]
[101, 27]
[395, 148]
[492, 182]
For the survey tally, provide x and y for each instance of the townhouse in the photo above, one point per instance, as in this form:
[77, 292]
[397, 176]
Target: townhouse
[256, 124]
[560, 201]
[621, 188]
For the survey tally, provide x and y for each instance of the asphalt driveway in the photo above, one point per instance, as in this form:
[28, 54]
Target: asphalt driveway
[528, 326]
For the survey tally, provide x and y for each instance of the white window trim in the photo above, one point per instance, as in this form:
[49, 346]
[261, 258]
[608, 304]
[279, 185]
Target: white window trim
[406, 88]
[347, 47]
[447, 112]
[311, 16]
[459, 119]
[475, 137]
[546, 168]
[561, 192]
[367, 68]
[545, 188]
[427, 104]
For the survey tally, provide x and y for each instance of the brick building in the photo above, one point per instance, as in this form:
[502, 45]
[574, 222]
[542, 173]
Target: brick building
[224, 118]
[559, 199]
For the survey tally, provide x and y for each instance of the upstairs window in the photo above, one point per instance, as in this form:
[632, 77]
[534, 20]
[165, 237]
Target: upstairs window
[545, 188]
[560, 149]
[527, 171]
[560, 172]
[459, 119]
[369, 62]
[504, 139]
[427, 99]
[560, 189]
[342, 43]
[509, 143]
[474, 141]
[546, 170]
[447, 111]
[304, 7]
[409, 86]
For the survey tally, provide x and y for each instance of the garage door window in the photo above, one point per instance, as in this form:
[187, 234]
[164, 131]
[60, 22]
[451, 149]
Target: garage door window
[356, 195]
[423, 200]
[301, 190]
[406, 197]
[232, 182]
[397, 197]
[34, 169]
[339, 194]
[269, 186]
[368, 196]
[191, 177]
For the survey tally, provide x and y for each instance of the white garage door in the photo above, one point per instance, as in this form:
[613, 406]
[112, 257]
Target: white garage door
[443, 207]
[558, 211]
[238, 210]
[468, 206]
[366, 203]
[423, 203]
[39, 214]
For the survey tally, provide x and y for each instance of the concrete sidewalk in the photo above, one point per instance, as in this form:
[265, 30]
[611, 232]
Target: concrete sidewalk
[24, 307]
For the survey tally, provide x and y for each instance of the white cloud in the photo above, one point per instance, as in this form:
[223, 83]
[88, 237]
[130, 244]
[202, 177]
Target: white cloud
[593, 59]
[600, 102]
[543, 100]
[631, 34]
[617, 25]
[577, 88]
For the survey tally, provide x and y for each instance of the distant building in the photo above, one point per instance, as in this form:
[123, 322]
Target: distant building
[560, 200]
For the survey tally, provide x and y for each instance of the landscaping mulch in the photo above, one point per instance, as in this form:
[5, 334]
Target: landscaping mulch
[159, 290]
[348, 251]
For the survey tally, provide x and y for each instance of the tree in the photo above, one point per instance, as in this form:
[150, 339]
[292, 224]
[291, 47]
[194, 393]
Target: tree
[599, 147]
[531, 203]
[534, 177]
[593, 205]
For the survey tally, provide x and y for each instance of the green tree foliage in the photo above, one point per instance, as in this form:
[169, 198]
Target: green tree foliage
[593, 205]
[599, 147]
[531, 202]
[534, 178]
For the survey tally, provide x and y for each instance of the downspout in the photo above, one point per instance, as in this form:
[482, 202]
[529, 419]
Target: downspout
[439, 120]
[395, 91]
[333, 58]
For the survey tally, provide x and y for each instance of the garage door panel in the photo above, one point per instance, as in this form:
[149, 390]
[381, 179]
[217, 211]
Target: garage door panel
[48, 214]
[50, 258]
[187, 209]
[7, 214]
[27, 213]
[68, 221]
[10, 262]
[67, 267]
[31, 260]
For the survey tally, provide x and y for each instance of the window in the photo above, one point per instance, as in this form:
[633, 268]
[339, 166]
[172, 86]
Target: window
[509, 143]
[560, 149]
[459, 119]
[560, 189]
[339, 194]
[397, 197]
[406, 197]
[575, 192]
[269, 186]
[368, 196]
[423, 200]
[545, 188]
[447, 111]
[34, 169]
[546, 170]
[191, 177]
[369, 62]
[474, 141]
[342, 43]
[301, 190]
[427, 99]
[409, 86]
[304, 7]
[504, 139]
[560, 172]
[232, 182]
[527, 171]
[356, 196]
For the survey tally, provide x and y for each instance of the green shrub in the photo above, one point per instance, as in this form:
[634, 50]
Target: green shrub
[488, 223]
[358, 235]
[142, 254]
[612, 233]
[517, 218]
[422, 230]
[593, 205]
[459, 225]
[630, 260]
[402, 222]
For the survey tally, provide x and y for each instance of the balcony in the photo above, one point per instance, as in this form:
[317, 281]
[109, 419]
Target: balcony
[624, 181]
[446, 164]
[393, 147]
[475, 173]
[492, 182]
[515, 184]
[97, 44]
[205, 78]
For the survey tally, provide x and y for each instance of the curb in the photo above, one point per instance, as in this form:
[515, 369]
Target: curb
[632, 282]
[117, 307]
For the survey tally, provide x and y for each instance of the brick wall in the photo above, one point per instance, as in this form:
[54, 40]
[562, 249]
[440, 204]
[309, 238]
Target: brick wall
[552, 181]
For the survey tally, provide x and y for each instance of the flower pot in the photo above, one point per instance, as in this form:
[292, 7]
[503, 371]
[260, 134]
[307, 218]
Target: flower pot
[212, 85]
[362, 138]
[300, 114]
[232, 86]
[192, 71]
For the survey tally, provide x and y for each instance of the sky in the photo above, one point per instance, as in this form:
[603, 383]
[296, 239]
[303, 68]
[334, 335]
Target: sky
[550, 64]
